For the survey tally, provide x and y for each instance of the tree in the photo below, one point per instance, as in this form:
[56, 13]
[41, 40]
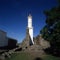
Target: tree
[51, 31]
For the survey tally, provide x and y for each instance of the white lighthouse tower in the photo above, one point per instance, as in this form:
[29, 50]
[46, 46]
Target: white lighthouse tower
[30, 28]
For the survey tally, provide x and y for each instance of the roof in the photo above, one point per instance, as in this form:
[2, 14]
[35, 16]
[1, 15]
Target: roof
[2, 31]
[30, 15]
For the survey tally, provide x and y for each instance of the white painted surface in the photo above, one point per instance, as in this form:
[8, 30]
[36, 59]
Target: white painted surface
[29, 21]
[30, 27]
[31, 34]
[3, 39]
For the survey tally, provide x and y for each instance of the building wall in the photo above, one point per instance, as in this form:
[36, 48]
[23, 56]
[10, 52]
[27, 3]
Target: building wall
[3, 39]
[12, 43]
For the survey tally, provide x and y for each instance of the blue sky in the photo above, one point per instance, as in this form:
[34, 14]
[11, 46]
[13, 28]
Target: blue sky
[13, 16]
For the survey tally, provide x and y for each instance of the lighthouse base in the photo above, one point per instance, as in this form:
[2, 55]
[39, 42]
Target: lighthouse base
[27, 41]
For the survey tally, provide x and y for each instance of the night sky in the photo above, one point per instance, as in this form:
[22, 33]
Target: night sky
[13, 16]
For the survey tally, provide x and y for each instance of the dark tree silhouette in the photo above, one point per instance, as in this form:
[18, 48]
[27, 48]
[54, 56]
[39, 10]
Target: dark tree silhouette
[51, 31]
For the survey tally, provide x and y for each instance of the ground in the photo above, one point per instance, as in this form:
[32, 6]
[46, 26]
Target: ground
[31, 56]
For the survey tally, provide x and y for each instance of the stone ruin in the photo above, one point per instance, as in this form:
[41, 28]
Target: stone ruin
[39, 43]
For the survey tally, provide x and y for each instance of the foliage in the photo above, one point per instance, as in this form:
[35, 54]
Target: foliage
[51, 31]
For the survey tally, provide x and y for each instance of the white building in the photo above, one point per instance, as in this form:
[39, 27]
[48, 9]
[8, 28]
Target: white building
[30, 28]
[3, 39]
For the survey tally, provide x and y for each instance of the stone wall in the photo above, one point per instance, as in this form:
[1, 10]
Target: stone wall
[40, 41]
[25, 42]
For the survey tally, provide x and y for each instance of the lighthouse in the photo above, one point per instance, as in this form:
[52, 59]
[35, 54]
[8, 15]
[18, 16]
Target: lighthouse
[30, 29]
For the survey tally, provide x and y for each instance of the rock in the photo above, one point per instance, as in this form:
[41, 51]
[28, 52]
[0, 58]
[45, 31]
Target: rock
[7, 55]
[40, 41]
[26, 41]
[2, 57]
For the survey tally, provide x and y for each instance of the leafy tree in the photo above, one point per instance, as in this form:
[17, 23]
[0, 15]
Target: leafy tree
[51, 31]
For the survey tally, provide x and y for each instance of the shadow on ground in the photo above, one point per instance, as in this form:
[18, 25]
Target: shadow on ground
[37, 58]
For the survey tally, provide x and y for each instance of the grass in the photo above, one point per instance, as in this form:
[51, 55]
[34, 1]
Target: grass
[19, 56]
[27, 56]
[50, 57]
